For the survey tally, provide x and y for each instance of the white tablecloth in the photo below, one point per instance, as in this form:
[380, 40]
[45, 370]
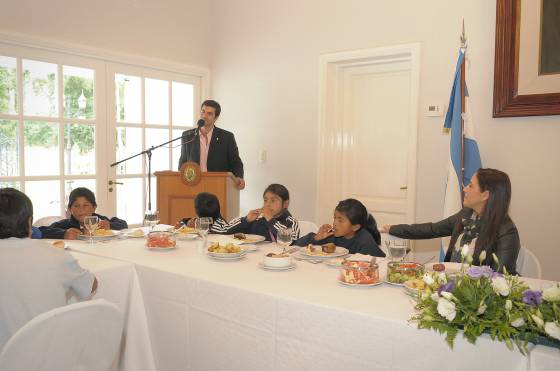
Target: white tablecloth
[118, 283]
[205, 314]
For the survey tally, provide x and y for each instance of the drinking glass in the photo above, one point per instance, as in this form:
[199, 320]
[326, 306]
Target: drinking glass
[151, 218]
[398, 249]
[91, 223]
[202, 225]
[284, 238]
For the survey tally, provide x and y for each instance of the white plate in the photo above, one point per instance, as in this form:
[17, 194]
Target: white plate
[186, 236]
[286, 268]
[249, 238]
[226, 258]
[133, 234]
[334, 263]
[359, 284]
[250, 248]
[410, 291]
[226, 254]
[393, 283]
[340, 251]
[160, 248]
[86, 237]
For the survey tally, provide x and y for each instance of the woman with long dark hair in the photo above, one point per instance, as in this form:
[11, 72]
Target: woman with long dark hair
[483, 224]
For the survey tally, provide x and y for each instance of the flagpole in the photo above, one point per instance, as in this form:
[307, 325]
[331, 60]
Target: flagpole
[463, 49]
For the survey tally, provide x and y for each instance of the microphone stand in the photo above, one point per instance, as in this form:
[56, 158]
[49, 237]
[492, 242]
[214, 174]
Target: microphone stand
[148, 152]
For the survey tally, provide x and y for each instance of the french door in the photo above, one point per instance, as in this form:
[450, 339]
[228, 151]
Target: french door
[65, 118]
[150, 107]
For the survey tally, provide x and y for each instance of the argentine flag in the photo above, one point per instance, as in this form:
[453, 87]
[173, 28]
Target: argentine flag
[453, 202]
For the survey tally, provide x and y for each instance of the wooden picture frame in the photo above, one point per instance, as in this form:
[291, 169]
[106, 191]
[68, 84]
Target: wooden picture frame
[507, 101]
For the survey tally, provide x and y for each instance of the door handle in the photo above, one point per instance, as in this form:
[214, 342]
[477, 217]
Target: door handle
[114, 182]
[404, 187]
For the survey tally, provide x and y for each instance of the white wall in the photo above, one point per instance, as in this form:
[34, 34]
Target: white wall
[265, 74]
[175, 30]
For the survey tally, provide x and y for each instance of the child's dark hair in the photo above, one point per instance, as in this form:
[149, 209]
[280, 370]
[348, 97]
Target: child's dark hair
[207, 205]
[15, 210]
[81, 192]
[357, 213]
[279, 190]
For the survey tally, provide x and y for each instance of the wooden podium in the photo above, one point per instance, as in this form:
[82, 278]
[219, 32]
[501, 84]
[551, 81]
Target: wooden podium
[175, 199]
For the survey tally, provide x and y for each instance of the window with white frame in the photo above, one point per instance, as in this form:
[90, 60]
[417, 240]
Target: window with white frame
[59, 129]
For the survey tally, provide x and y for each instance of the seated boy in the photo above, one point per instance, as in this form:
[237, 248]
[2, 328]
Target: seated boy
[81, 203]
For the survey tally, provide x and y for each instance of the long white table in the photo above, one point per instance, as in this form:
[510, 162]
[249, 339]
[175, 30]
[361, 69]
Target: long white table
[205, 314]
[118, 283]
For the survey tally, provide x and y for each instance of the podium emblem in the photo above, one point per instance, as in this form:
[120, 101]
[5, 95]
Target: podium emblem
[190, 173]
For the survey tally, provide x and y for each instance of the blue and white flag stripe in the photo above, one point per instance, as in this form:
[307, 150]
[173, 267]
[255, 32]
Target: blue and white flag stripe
[472, 162]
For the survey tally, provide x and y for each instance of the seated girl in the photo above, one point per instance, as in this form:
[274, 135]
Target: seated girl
[266, 221]
[81, 203]
[207, 205]
[483, 224]
[353, 228]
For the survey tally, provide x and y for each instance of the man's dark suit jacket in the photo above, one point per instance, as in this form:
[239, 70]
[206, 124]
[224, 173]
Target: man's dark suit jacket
[223, 154]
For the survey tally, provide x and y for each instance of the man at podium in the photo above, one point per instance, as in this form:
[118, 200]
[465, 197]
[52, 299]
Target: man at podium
[214, 149]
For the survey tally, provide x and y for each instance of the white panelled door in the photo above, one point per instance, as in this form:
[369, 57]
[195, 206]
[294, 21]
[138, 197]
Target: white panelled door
[368, 133]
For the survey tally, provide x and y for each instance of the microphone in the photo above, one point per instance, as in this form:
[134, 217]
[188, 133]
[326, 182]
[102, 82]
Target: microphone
[200, 123]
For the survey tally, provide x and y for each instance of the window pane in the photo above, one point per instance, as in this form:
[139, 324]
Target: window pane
[157, 101]
[41, 148]
[45, 196]
[160, 156]
[40, 89]
[128, 143]
[130, 200]
[78, 92]
[8, 85]
[79, 149]
[15, 185]
[176, 149]
[128, 94]
[9, 156]
[71, 184]
[182, 103]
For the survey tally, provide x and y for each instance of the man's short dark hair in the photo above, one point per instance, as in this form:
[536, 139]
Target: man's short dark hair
[207, 205]
[15, 210]
[213, 104]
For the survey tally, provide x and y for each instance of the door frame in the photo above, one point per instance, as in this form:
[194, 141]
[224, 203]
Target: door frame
[332, 135]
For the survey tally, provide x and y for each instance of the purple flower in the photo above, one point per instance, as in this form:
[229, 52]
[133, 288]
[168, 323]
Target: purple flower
[496, 274]
[448, 287]
[474, 272]
[487, 271]
[533, 298]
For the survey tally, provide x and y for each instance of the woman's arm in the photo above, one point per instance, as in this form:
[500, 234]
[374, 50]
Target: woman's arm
[423, 231]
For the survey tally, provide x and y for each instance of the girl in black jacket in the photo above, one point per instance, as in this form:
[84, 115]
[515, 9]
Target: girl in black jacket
[353, 228]
[273, 216]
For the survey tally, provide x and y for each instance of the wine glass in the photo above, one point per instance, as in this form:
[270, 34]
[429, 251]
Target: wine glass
[151, 218]
[397, 249]
[284, 238]
[91, 223]
[202, 225]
